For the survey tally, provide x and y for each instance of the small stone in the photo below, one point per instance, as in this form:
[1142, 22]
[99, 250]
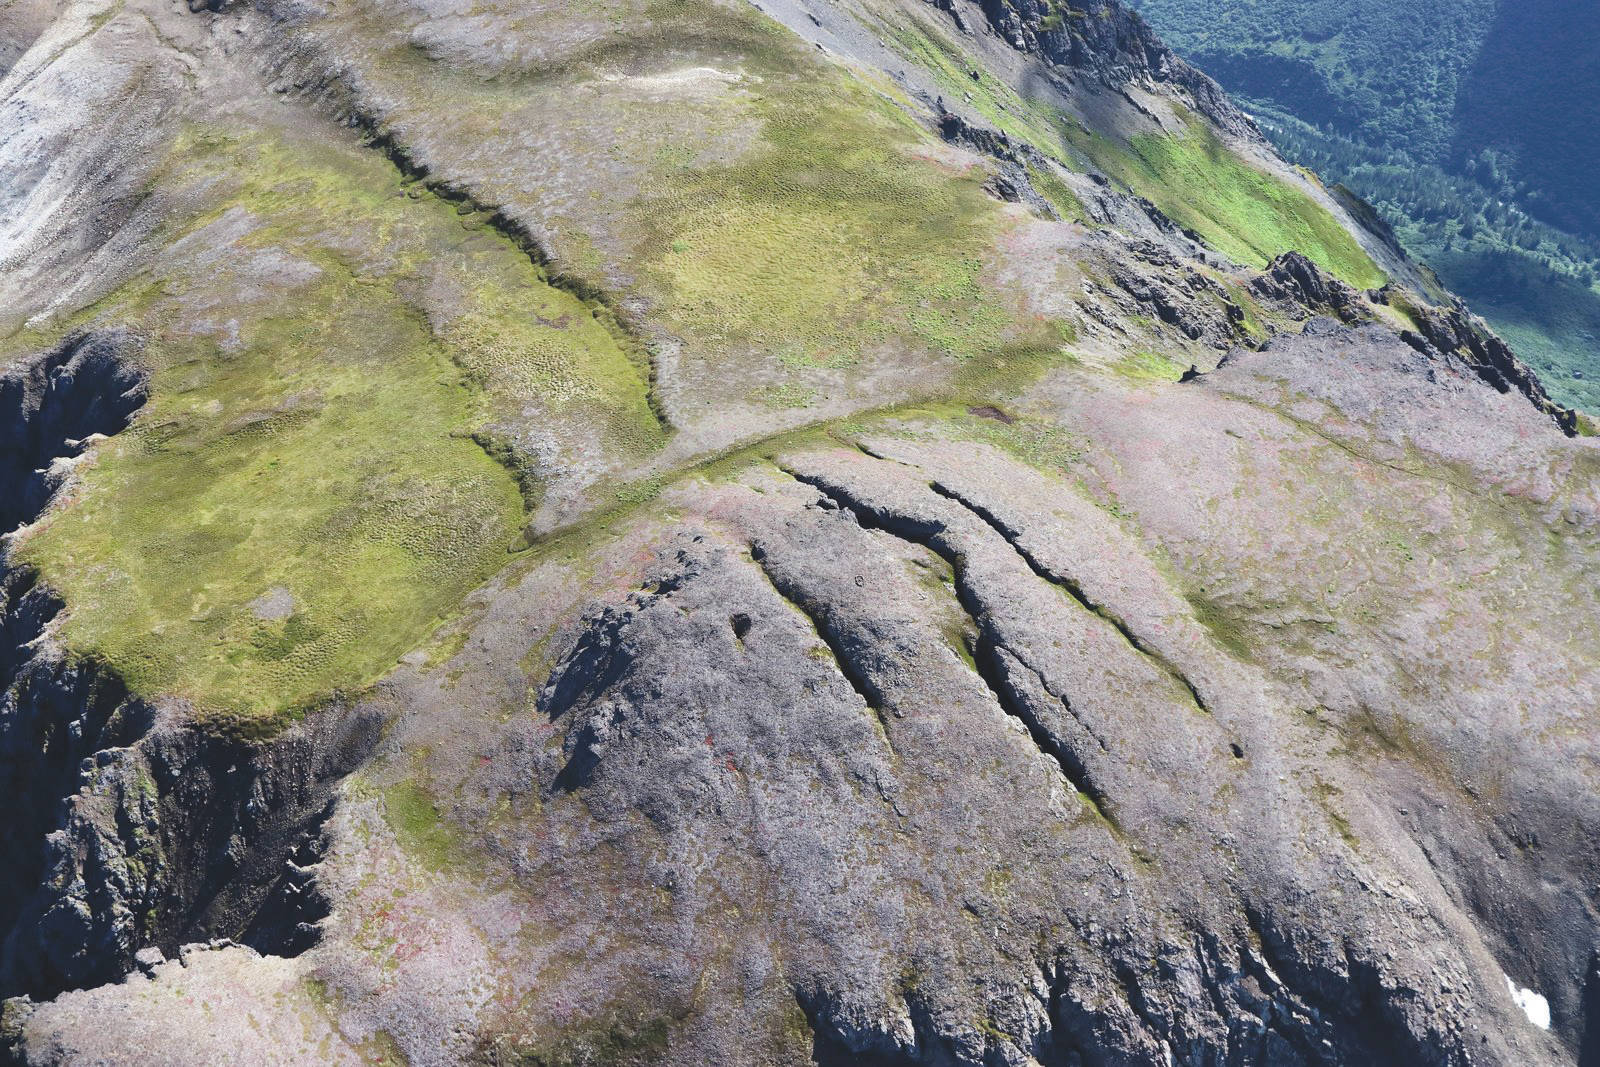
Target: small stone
[148, 959]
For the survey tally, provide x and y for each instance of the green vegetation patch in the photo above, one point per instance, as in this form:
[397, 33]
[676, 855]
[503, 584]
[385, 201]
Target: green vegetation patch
[1240, 210]
[311, 491]
[1149, 367]
[923, 43]
[834, 236]
[284, 520]
[414, 816]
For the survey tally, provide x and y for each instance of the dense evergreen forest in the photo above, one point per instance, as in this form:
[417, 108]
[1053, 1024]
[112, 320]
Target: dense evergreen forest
[1472, 125]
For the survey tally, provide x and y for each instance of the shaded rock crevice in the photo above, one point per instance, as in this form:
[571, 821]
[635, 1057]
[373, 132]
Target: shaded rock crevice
[1074, 589]
[52, 404]
[837, 641]
[993, 662]
[996, 665]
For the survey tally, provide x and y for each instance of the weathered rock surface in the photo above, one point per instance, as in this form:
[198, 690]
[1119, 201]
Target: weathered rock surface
[910, 752]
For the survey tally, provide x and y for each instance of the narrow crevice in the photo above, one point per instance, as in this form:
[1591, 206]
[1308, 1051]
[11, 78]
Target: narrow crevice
[992, 669]
[868, 451]
[1073, 589]
[986, 662]
[497, 218]
[828, 634]
[927, 534]
[1060, 698]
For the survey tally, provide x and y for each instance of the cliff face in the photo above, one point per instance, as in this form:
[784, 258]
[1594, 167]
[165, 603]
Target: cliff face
[871, 533]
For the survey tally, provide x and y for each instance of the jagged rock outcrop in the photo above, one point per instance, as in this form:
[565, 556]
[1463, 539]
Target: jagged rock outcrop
[55, 712]
[172, 836]
[1457, 331]
[52, 404]
[1112, 44]
[1177, 295]
[1301, 289]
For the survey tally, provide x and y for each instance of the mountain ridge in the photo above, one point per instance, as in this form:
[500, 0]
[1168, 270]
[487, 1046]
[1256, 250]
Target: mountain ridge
[676, 532]
[1466, 123]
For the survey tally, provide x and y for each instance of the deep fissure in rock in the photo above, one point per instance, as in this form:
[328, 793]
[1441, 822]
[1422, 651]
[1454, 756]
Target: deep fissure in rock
[1013, 538]
[828, 633]
[994, 671]
[989, 669]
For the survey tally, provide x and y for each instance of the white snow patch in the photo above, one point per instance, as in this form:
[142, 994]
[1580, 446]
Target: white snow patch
[1534, 1006]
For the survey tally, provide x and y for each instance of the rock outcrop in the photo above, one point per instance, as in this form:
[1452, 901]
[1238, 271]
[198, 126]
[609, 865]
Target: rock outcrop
[1301, 289]
[1110, 43]
[1459, 332]
[124, 832]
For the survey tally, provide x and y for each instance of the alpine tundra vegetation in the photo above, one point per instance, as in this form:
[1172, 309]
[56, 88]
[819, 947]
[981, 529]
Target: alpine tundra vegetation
[564, 532]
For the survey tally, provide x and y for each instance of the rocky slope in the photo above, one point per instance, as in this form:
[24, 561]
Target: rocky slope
[866, 532]
[1468, 123]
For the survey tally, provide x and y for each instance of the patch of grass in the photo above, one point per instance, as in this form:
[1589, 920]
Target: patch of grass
[1240, 210]
[1149, 367]
[335, 448]
[924, 44]
[1062, 198]
[414, 817]
[324, 460]
[832, 237]
[789, 395]
[1329, 798]
[1226, 624]
[619, 1035]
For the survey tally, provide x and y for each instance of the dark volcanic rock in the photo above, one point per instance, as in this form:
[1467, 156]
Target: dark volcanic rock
[1112, 44]
[1300, 288]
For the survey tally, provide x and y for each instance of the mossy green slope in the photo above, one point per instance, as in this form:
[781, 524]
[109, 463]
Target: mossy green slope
[1239, 209]
[302, 500]
[1192, 176]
